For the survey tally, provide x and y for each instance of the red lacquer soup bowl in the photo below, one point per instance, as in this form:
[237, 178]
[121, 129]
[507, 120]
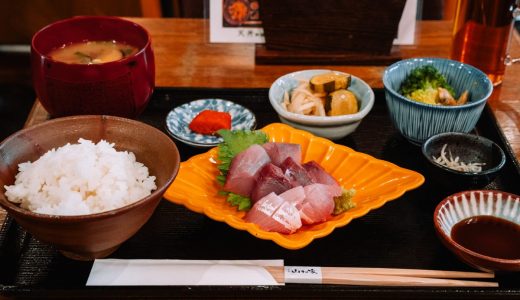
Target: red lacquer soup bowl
[122, 87]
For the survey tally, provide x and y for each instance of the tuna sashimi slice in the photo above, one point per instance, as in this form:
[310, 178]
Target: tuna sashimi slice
[295, 172]
[278, 152]
[270, 179]
[318, 174]
[319, 202]
[243, 170]
[273, 213]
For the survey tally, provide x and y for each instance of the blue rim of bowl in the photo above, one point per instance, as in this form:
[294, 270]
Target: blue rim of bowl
[179, 118]
[465, 135]
[321, 121]
[440, 107]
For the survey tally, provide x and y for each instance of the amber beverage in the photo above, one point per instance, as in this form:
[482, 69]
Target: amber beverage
[481, 34]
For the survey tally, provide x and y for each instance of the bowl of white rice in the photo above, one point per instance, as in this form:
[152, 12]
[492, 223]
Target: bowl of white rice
[85, 184]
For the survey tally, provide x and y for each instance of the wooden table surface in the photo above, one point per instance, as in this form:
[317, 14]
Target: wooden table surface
[185, 58]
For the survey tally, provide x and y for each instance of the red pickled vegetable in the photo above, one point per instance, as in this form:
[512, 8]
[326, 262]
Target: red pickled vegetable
[209, 121]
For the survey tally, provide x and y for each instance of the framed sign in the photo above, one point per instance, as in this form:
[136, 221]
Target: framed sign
[235, 21]
[238, 21]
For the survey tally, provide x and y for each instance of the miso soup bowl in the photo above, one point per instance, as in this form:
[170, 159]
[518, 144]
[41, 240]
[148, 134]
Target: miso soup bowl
[90, 236]
[120, 88]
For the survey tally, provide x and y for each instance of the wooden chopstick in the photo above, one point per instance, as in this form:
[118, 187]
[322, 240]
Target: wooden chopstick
[391, 280]
[409, 272]
[391, 277]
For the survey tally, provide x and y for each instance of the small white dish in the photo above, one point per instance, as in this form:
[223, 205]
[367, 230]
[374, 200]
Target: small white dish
[178, 120]
[334, 127]
[473, 203]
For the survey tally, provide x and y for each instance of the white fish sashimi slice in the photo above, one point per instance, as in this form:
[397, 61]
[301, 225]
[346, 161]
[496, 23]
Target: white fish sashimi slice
[319, 202]
[273, 213]
[261, 213]
[244, 167]
[307, 214]
[289, 217]
[296, 195]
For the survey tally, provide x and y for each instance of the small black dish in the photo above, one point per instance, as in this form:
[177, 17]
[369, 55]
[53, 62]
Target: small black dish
[470, 149]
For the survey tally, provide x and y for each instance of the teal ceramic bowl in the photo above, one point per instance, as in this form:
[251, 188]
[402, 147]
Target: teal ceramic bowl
[417, 121]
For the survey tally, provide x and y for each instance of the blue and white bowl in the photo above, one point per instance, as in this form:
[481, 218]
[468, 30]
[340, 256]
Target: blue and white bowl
[418, 121]
[178, 120]
[467, 204]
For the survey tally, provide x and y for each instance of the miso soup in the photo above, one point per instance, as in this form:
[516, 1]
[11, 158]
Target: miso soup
[92, 52]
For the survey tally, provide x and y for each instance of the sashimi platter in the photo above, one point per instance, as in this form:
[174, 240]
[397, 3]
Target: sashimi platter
[286, 185]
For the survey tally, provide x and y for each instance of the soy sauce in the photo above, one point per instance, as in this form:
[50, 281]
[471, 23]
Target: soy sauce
[489, 236]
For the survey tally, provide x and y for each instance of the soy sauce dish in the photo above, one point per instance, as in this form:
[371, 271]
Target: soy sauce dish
[481, 227]
[463, 161]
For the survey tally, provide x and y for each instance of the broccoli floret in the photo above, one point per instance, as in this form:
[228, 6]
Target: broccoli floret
[424, 78]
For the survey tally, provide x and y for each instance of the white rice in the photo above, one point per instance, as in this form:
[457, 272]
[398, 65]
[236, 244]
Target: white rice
[79, 179]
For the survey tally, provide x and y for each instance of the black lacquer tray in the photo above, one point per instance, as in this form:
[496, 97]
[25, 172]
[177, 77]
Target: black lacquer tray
[398, 235]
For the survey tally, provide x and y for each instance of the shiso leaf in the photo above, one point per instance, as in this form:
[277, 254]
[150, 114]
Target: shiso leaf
[242, 202]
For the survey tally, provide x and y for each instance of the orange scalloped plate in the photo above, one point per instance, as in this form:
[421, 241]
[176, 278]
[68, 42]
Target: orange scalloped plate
[375, 181]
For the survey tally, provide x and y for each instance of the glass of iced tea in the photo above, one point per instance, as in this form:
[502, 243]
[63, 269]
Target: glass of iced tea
[481, 34]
